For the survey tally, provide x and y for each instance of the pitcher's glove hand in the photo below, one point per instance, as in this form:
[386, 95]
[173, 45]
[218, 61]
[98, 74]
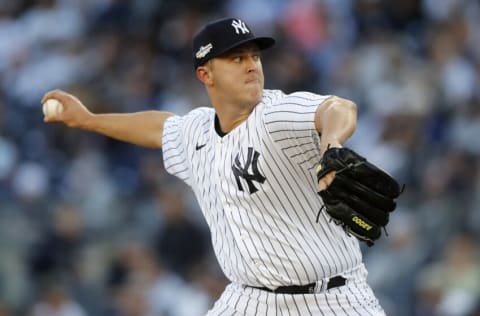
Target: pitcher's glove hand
[360, 197]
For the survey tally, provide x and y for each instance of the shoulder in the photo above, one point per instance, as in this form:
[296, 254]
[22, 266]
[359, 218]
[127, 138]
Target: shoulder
[304, 97]
[278, 97]
[270, 96]
[198, 119]
[200, 114]
[300, 101]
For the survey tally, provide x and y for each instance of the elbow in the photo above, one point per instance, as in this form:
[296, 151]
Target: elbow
[345, 106]
[336, 119]
[351, 106]
[348, 110]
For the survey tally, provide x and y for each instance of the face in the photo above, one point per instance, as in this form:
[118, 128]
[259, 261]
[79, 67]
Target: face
[237, 76]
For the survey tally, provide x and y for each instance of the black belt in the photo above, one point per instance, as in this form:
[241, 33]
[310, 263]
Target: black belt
[334, 282]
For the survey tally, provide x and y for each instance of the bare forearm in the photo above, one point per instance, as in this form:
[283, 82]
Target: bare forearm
[140, 128]
[335, 120]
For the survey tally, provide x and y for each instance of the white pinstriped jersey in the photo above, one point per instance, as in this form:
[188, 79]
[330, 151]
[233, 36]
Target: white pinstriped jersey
[257, 189]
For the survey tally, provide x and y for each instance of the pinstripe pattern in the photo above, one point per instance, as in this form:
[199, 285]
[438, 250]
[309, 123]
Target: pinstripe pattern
[354, 299]
[263, 232]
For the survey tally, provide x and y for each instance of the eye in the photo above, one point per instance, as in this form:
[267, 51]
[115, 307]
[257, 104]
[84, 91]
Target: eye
[237, 59]
[256, 57]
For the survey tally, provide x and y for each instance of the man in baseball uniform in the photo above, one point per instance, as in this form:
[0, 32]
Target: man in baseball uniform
[251, 161]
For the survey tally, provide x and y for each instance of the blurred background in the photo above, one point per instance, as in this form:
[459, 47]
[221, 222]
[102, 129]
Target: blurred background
[92, 226]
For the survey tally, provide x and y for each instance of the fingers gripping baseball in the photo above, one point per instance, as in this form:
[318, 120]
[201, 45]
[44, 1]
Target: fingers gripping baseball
[60, 106]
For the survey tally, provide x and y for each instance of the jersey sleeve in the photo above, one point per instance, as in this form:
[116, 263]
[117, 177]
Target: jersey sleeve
[174, 148]
[180, 135]
[290, 121]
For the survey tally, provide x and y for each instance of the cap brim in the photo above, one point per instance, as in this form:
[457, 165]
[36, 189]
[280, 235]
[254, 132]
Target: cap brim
[261, 42]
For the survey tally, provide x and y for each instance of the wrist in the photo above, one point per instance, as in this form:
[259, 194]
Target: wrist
[329, 143]
[88, 122]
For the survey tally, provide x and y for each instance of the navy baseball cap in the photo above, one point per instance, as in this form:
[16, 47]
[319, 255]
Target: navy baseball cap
[220, 36]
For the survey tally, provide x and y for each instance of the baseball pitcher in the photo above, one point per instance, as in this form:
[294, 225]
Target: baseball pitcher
[286, 205]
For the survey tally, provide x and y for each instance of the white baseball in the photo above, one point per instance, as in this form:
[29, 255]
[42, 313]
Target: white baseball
[52, 108]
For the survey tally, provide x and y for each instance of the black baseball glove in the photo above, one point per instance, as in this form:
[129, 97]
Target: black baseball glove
[360, 197]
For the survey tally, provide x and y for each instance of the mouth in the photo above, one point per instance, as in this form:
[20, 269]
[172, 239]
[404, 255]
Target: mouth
[252, 80]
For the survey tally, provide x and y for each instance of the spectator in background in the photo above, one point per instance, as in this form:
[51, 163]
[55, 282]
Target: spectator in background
[181, 243]
[412, 66]
[56, 301]
[141, 285]
[403, 251]
[57, 253]
[450, 286]
[4, 310]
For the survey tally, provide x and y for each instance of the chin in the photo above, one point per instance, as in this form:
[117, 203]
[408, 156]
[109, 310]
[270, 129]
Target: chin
[252, 95]
[255, 98]
[257, 94]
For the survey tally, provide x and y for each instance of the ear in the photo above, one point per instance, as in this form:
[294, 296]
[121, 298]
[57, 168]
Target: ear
[204, 74]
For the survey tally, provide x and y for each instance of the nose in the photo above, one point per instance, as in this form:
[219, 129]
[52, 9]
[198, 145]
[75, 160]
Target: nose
[251, 63]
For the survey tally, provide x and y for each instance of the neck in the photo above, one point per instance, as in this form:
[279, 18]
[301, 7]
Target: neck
[230, 119]
[231, 115]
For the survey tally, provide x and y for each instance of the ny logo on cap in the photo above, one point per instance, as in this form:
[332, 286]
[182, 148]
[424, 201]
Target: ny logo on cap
[240, 26]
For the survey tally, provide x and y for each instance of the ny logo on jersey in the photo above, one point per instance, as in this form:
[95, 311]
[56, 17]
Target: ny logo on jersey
[239, 171]
[240, 26]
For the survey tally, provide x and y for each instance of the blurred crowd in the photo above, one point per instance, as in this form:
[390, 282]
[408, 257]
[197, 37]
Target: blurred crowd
[92, 226]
